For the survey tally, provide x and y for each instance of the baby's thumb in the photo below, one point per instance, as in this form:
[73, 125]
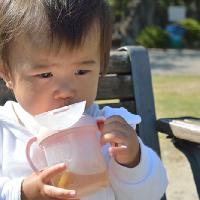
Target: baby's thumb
[50, 172]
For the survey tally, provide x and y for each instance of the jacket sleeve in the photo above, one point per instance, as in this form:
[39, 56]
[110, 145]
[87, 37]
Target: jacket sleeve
[147, 180]
[10, 189]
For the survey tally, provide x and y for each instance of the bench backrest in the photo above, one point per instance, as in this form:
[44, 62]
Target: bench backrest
[128, 84]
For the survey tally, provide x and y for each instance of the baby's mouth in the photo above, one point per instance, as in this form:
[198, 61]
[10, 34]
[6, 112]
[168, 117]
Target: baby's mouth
[67, 102]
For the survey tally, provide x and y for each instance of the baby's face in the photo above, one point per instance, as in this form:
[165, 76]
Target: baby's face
[43, 80]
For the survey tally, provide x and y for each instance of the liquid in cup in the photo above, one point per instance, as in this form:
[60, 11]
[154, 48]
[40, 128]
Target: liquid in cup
[83, 184]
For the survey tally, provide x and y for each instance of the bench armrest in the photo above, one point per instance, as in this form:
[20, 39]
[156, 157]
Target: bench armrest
[185, 132]
[186, 128]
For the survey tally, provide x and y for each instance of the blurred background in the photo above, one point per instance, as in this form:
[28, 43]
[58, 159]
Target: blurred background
[170, 29]
[157, 23]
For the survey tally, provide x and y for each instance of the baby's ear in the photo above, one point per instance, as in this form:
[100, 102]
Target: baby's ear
[5, 75]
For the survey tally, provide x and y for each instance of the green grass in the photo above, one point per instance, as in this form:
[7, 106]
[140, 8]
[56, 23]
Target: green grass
[176, 95]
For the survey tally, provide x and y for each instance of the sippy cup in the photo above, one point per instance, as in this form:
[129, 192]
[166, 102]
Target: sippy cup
[69, 136]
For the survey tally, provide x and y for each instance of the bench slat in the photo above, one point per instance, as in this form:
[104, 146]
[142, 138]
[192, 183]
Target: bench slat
[116, 87]
[119, 63]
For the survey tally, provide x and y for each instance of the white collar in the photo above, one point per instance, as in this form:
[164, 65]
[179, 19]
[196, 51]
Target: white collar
[26, 119]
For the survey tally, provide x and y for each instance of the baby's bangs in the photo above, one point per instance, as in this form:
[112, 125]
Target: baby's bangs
[70, 21]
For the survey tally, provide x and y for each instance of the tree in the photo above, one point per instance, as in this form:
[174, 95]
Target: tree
[119, 6]
[134, 16]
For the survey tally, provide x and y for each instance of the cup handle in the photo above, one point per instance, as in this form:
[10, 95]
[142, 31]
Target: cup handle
[100, 122]
[28, 148]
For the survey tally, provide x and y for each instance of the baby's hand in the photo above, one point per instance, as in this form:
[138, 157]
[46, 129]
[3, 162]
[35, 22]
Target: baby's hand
[123, 139]
[38, 186]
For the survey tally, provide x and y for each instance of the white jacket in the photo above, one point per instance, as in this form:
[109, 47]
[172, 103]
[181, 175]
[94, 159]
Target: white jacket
[146, 181]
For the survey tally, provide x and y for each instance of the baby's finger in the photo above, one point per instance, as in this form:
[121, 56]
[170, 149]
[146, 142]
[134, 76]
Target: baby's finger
[115, 118]
[114, 151]
[113, 126]
[112, 138]
[50, 172]
[59, 193]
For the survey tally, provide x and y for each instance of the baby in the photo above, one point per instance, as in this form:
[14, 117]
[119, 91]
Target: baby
[52, 54]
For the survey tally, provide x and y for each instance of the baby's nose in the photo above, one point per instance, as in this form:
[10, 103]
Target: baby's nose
[64, 91]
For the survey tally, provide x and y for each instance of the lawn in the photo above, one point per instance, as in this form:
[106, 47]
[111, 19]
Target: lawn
[176, 95]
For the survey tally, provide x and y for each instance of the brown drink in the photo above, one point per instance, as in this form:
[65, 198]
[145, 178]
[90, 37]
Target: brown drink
[83, 184]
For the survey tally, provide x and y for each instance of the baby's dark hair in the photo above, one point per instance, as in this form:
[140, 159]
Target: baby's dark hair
[61, 20]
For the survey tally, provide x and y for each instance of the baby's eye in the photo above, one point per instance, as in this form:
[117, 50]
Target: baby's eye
[81, 72]
[45, 75]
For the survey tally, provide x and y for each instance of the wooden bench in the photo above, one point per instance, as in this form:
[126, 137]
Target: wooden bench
[128, 84]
